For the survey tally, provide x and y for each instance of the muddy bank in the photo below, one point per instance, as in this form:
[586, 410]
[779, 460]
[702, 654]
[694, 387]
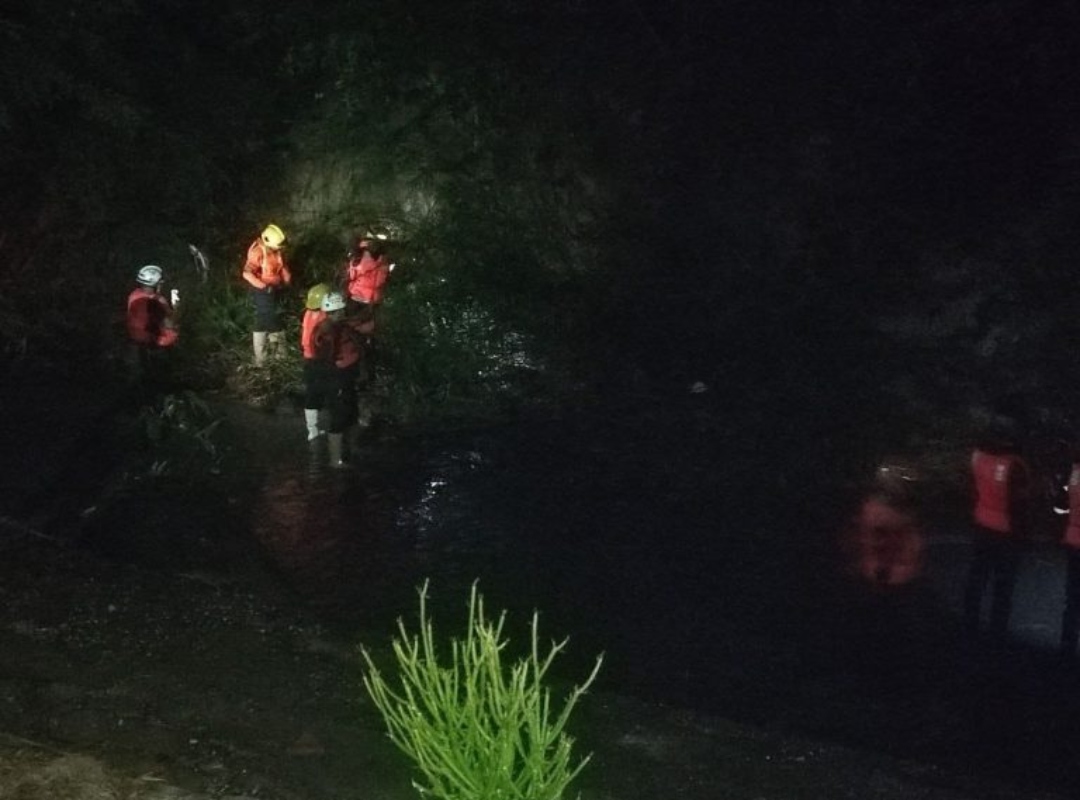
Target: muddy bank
[146, 680]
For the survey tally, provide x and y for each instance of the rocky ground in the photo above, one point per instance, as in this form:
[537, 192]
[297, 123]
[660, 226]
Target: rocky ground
[163, 677]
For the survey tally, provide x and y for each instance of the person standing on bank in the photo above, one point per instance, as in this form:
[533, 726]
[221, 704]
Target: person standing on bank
[267, 274]
[1070, 618]
[1002, 527]
[152, 330]
[366, 273]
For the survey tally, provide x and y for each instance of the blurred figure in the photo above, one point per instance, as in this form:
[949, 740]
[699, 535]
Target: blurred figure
[339, 348]
[317, 375]
[887, 541]
[152, 331]
[267, 274]
[1070, 504]
[1001, 527]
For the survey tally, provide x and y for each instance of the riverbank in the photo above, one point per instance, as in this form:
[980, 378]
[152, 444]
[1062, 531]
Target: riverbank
[136, 681]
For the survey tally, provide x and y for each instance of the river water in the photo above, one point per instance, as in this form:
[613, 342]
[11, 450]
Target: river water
[699, 558]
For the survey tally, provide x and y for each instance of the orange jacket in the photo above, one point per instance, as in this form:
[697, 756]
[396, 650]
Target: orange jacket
[1000, 489]
[265, 267]
[308, 324]
[150, 319]
[367, 277]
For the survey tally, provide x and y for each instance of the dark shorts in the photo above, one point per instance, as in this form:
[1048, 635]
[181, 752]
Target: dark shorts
[152, 370]
[319, 383]
[342, 401]
[267, 318]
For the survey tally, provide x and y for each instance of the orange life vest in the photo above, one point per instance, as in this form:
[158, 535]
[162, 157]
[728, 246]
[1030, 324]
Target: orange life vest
[308, 324]
[149, 318]
[337, 341]
[265, 264]
[994, 481]
[367, 277]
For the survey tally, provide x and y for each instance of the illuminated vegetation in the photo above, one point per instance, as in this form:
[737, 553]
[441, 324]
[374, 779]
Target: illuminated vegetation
[475, 727]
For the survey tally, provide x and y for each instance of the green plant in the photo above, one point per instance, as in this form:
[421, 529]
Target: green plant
[180, 430]
[476, 730]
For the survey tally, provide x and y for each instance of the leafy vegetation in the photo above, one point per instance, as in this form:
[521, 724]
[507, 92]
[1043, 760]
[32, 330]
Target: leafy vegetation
[613, 197]
[179, 430]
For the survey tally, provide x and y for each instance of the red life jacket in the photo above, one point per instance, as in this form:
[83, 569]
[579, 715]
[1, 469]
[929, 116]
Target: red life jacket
[311, 320]
[367, 276]
[1072, 528]
[265, 264]
[149, 319]
[337, 341]
[994, 475]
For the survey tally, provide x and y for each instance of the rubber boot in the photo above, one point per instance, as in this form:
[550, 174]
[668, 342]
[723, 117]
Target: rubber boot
[276, 344]
[336, 446]
[258, 345]
[311, 418]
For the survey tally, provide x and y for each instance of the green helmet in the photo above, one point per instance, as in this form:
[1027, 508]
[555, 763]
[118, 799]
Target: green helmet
[315, 296]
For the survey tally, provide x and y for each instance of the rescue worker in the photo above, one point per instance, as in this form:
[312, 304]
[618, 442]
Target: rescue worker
[337, 345]
[151, 329]
[267, 274]
[367, 273]
[1001, 527]
[1070, 504]
[317, 375]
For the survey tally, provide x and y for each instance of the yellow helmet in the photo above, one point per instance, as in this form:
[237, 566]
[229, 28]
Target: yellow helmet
[273, 237]
[315, 296]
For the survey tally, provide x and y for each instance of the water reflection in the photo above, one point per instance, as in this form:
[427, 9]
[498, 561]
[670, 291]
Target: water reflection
[705, 583]
[324, 531]
[355, 543]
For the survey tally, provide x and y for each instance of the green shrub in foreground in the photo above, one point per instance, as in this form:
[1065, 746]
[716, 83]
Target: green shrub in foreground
[476, 730]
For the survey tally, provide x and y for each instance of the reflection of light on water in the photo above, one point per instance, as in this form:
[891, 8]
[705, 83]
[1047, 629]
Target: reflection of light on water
[451, 522]
[437, 501]
[314, 529]
[424, 510]
[328, 532]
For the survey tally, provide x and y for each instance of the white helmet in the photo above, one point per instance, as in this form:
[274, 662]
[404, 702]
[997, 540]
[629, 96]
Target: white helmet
[150, 275]
[334, 301]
